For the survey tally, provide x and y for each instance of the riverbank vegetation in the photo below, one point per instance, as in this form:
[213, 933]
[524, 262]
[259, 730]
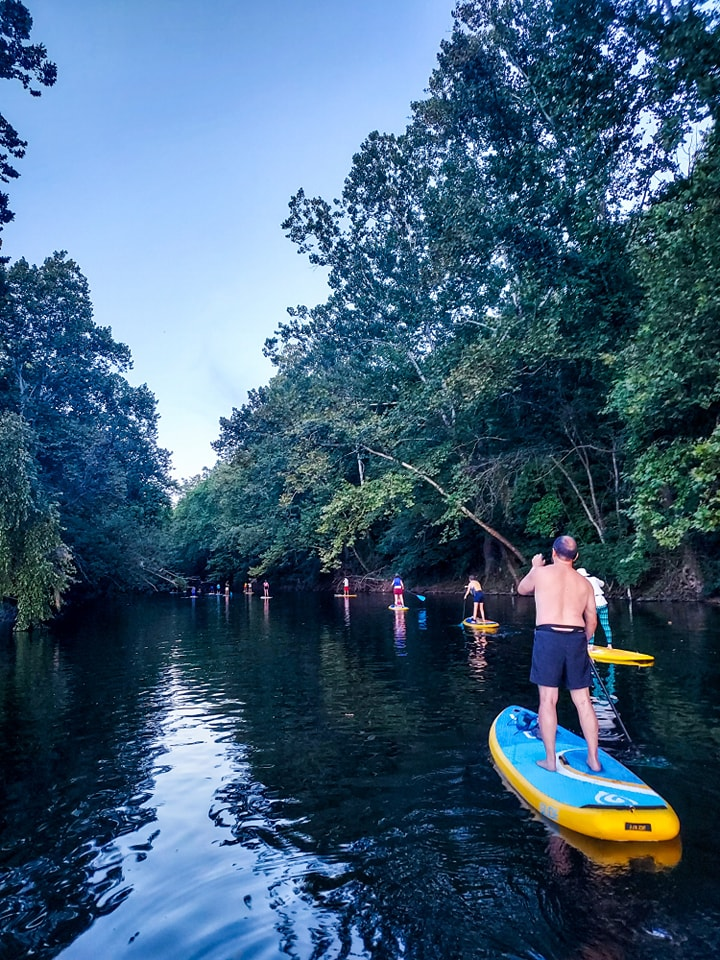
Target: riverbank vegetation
[521, 338]
[521, 335]
[83, 484]
[84, 487]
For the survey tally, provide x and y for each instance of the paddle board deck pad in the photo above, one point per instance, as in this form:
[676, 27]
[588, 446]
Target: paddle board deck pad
[616, 655]
[480, 624]
[393, 607]
[613, 804]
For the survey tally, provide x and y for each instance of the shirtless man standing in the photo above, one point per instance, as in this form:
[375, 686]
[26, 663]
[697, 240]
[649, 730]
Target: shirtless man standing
[565, 620]
[474, 587]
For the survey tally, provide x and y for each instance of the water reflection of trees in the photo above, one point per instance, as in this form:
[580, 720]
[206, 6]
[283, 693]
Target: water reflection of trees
[77, 750]
[368, 770]
[362, 784]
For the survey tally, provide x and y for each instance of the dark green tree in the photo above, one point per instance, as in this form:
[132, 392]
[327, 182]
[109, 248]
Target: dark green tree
[669, 390]
[281, 464]
[28, 63]
[485, 286]
[96, 452]
[478, 263]
[35, 565]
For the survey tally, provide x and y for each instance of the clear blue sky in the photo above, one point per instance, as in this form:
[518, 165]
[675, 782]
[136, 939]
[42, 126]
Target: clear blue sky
[164, 158]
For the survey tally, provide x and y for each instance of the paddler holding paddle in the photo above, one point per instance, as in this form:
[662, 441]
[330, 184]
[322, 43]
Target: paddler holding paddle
[474, 587]
[565, 620]
[398, 591]
[600, 603]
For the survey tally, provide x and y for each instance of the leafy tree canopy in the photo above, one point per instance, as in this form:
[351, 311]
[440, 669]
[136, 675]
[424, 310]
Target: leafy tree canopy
[507, 279]
[28, 63]
[35, 565]
[95, 453]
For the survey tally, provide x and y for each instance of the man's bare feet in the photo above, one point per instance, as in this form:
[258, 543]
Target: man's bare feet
[546, 765]
[595, 769]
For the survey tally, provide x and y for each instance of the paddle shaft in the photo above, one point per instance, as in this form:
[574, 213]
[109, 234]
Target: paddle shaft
[609, 700]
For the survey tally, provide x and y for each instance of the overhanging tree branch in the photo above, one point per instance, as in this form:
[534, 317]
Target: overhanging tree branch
[446, 496]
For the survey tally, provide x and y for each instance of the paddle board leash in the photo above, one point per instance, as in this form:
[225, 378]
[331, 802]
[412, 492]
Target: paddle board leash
[609, 700]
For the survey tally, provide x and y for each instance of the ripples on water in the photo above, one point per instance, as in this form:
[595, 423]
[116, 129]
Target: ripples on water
[217, 779]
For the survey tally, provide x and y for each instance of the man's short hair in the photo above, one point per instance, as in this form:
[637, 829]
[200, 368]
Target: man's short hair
[566, 548]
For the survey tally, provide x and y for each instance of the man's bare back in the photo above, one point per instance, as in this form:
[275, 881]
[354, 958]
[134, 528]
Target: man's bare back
[562, 595]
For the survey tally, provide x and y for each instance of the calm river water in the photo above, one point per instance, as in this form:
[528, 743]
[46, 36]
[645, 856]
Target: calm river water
[309, 777]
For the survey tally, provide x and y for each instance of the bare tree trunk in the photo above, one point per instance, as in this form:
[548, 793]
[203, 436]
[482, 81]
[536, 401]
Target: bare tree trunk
[616, 479]
[487, 556]
[360, 560]
[360, 466]
[588, 512]
[511, 567]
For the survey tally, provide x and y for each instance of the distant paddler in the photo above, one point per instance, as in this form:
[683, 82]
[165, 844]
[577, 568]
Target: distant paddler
[474, 589]
[398, 591]
[601, 604]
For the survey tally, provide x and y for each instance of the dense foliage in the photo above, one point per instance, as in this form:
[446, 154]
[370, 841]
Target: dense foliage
[521, 332]
[27, 63]
[35, 565]
[83, 485]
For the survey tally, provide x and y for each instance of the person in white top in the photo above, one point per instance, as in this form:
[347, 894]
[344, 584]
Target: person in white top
[601, 604]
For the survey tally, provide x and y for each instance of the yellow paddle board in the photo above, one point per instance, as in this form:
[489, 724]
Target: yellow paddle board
[617, 655]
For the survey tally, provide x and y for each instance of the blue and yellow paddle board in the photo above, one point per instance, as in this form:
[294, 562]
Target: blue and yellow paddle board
[613, 804]
[397, 607]
[616, 655]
